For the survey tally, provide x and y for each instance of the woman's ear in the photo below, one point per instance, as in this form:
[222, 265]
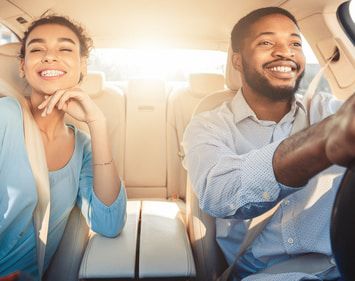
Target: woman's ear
[21, 72]
[84, 66]
[83, 69]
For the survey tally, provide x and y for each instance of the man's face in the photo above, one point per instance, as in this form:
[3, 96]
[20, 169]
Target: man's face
[271, 59]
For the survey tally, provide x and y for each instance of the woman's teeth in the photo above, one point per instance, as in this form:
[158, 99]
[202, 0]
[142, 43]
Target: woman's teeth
[51, 73]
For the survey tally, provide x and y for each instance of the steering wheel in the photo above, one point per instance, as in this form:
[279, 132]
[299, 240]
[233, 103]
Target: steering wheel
[342, 230]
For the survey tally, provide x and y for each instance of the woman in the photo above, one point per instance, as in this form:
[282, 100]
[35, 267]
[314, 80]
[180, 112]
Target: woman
[43, 160]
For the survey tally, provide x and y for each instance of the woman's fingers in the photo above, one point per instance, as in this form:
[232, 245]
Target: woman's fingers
[52, 102]
[44, 103]
[65, 97]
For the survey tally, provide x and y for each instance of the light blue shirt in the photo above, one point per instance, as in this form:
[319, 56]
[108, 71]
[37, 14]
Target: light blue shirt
[228, 154]
[72, 184]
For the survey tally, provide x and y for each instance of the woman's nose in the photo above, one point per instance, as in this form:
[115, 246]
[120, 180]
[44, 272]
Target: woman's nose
[49, 57]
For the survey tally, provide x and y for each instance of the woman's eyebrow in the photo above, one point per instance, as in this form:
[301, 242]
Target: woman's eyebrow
[61, 39]
[35, 40]
[64, 39]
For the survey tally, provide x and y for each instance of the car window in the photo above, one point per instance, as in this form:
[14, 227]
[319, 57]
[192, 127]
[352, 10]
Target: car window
[175, 65]
[346, 15]
[312, 68]
[168, 64]
[6, 35]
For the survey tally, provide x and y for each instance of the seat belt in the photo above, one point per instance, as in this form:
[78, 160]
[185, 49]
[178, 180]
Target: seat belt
[36, 154]
[36, 157]
[302, 121]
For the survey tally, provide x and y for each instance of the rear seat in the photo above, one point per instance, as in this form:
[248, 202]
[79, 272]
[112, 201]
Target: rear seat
[181, 104]
[138, 130]
[10, 82]
[145, 139]
[145, 176]
[209, 259]
[67, 259]
[72, 246]
[111, 101]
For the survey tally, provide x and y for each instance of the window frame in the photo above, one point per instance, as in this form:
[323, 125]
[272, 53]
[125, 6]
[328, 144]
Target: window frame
[343, 14]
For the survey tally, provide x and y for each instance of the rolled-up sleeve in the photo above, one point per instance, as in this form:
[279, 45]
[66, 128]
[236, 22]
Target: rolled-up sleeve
[114, 215]
[227, 184]
[105, 220]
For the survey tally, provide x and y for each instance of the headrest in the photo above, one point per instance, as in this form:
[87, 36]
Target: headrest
[10, 49]
[233, 80]
[93, 83]
[10, 82]
[202, 84]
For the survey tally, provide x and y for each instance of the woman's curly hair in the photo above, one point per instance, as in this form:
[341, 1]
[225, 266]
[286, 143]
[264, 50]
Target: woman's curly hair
[85, 41]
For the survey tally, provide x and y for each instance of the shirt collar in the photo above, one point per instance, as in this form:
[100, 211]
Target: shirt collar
[241, 109]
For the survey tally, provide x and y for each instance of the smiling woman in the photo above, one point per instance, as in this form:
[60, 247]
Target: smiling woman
[60, 165]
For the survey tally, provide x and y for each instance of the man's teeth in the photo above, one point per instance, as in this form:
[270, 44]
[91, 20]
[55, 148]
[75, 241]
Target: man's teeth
[51, 73]
[281, 69]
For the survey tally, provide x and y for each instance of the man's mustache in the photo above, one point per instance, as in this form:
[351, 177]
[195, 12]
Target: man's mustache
[296, 65]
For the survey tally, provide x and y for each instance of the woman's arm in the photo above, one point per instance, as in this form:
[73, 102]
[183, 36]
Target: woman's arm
[106, 180]
[80, 106]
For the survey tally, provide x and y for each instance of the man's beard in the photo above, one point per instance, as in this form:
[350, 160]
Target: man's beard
[261, 85]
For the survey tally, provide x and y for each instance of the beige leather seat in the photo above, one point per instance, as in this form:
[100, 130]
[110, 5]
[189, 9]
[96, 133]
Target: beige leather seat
[145, 139]
[209, 260]
[111, 101]
[68, 257]
[181, 104]
[10, 82]
[71, 249]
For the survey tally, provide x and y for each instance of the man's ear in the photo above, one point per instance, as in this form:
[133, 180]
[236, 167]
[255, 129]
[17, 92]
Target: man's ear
[237, 61]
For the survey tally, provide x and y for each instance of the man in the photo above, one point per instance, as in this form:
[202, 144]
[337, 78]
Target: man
[243, 158]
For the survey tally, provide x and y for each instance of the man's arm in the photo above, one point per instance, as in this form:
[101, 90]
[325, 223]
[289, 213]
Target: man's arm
[228, 183]
[305, 154]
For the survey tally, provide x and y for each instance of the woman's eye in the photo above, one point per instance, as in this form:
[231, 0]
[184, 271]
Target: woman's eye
[35, 50]
[66, 50]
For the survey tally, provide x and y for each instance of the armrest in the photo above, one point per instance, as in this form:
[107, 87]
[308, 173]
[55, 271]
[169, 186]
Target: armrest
[164, 246]
[113, 257]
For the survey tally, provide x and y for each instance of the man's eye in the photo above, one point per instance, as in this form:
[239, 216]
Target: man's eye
[265, 43]
[66, 50]
[35, 50]
[297, 44]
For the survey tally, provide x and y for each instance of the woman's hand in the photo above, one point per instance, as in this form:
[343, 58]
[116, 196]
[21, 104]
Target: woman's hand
[74, 102]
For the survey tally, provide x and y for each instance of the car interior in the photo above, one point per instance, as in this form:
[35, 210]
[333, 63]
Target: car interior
[166, 235]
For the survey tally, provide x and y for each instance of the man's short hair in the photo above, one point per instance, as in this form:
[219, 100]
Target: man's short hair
[241, 29]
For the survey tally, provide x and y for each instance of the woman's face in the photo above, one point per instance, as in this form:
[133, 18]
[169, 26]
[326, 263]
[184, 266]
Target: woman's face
[52, 59]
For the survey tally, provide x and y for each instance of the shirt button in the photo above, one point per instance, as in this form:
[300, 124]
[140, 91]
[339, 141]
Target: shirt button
[286, 202]
[266, 195]
[290, 240]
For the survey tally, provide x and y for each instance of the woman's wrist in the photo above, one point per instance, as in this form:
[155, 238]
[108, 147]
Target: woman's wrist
[96, 120]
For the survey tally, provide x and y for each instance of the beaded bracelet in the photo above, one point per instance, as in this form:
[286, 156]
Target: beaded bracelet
[103, 164]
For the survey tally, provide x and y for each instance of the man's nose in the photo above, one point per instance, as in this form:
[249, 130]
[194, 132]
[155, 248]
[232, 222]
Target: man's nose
[284, 51]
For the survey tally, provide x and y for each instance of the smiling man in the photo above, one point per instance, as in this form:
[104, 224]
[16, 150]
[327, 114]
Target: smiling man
[246, 156]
